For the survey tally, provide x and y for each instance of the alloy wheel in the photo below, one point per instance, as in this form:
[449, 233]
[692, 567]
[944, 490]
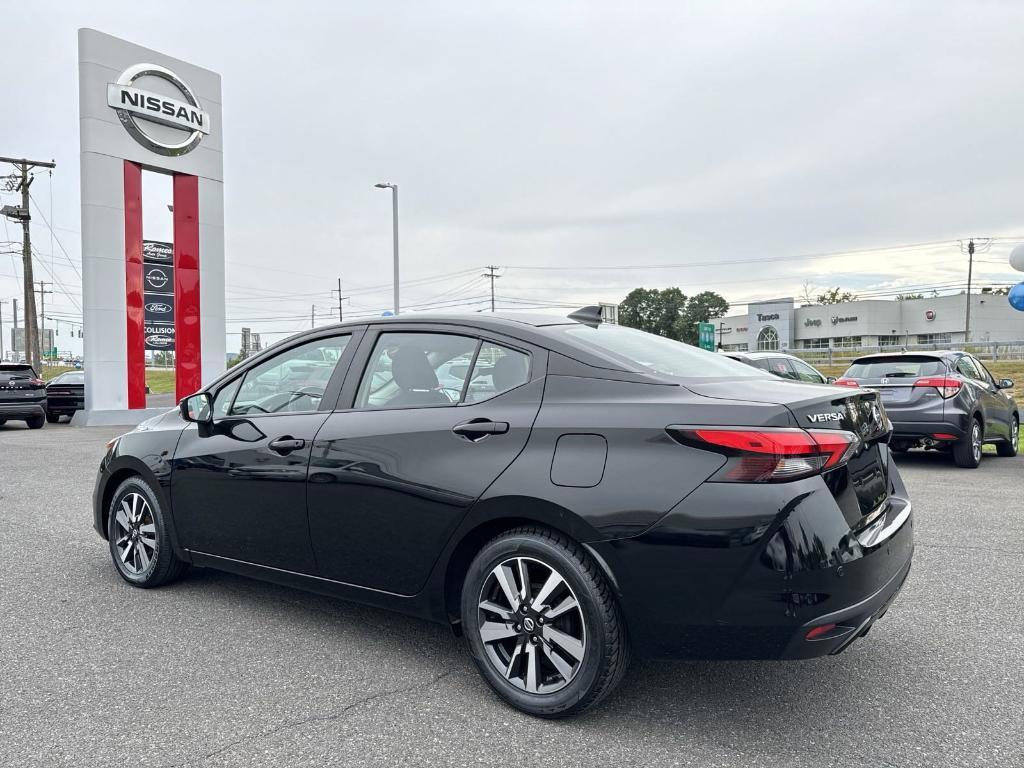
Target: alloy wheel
[135, 531]
[976, 441]
[531, 625]
[1015, 434]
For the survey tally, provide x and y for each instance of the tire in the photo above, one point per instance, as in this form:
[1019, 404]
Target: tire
[2, 422]
[138, 537]
[967, 450]
[520, 661]
[1008, 448]
[36, 422]
[52, 418]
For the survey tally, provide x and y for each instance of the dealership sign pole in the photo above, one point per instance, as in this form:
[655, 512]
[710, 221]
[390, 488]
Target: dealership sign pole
[140, 110]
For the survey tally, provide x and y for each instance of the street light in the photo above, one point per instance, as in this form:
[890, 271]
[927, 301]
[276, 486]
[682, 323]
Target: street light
[394, 228]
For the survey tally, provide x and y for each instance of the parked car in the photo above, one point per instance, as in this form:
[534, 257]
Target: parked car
[609, 492]
[65, 394]
[782, 365]
[941, 400]
[22, 395]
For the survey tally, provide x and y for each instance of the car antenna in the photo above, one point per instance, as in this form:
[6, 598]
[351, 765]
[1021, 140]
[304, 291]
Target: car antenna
[588, 316]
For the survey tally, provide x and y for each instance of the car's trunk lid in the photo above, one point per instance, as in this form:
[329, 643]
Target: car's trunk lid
[859, 411]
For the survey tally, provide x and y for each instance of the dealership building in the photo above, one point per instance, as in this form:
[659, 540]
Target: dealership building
[779, 324]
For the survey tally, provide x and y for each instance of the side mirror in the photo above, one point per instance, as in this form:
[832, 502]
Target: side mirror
[1005, 384]
[197, 408]
[830, 380]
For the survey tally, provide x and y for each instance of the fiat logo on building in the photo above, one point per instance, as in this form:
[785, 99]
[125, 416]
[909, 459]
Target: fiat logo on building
[929, 314]
[136, 107]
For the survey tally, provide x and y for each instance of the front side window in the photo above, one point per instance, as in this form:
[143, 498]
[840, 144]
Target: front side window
[986, 374]
[289, 382]
[767, 339]
[416, 370]
[498, 369]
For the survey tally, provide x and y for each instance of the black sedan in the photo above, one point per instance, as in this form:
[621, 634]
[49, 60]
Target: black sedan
[946, 401]
[22, 395]
[65, 394]
[561, 492]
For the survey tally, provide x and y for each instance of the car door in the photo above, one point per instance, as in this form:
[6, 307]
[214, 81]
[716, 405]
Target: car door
[239, 486]
[998, 404]
[427, 420]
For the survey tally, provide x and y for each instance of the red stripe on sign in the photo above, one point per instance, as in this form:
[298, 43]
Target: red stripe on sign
[135, 315]
[187, 330]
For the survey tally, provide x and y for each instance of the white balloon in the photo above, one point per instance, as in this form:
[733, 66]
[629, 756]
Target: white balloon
[1017, 258]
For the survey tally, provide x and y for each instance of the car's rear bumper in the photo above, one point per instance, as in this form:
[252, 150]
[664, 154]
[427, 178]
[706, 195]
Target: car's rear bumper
[919, 430]
[27, 410]
[746, 571]
[64, 404]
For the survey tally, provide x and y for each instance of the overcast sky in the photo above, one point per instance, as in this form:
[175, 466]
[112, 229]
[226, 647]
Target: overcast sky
[558, 134]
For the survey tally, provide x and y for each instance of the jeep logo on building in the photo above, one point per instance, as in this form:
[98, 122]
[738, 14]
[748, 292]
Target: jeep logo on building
[816, 418]
[133, 105]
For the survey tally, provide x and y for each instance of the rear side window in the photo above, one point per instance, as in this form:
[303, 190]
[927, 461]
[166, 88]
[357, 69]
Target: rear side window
[967, 367]
[498, 369]
[901, 367]
[640, 351]
[780, 367]
[804, 372]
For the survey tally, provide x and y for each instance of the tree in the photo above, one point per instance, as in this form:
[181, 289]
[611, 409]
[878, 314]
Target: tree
[654, 311]
[702, 308]
[835, 296]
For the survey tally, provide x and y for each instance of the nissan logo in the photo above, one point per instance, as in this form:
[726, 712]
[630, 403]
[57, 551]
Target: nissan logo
[157, 308]
[133, 105]
[156, 278]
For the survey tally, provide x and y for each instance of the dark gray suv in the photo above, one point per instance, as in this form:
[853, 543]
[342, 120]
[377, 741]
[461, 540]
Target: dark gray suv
[941, 400]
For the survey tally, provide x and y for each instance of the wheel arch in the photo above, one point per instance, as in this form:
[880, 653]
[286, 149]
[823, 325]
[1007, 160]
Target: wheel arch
[491, 518]
[120, 470]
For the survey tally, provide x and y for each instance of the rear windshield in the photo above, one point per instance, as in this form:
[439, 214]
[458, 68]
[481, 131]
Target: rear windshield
[647, 352]
[902, 367]
[12, 371]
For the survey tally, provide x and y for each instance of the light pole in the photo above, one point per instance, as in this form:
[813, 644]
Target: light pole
[394, 230]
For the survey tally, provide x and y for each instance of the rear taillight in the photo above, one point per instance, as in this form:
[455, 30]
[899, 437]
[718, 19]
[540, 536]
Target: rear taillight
[947, 386]
[767, 455]
[37, 382]
[846, 383]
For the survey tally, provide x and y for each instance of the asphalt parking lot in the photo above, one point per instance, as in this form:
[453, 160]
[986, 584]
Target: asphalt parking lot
[218, 670]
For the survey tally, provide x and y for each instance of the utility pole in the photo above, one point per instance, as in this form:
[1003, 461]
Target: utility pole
[42, 291]
[2, 302]
[341, 318]
[22, 215]
[394, 232]
[970, 269]
[312, 316]
[492, 275]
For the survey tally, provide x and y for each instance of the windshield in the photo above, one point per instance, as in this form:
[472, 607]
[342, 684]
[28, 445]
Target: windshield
[70, 378]
[649, 352]
[909, 367]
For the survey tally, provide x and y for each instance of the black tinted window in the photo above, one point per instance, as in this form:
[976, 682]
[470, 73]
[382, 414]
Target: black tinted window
[902, 367]
[498, 369]
[290, 381]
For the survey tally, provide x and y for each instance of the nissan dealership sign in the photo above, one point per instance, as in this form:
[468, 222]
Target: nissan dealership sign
[142, 112]
[133, 105]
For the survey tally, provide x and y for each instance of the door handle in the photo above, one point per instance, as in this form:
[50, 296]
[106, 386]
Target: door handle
[480, 428]
[285, 445]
